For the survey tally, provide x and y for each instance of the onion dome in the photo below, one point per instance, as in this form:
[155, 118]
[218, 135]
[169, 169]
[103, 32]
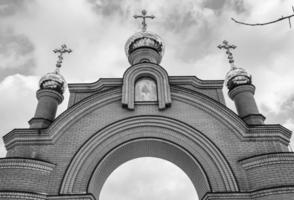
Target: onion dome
[54, 81]
[144, 39]
[144, 47]
[237, 76]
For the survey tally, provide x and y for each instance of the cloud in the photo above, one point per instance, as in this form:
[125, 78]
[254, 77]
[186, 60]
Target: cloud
[16, 54]
[218, 6]
[148, 178]
[11, 7]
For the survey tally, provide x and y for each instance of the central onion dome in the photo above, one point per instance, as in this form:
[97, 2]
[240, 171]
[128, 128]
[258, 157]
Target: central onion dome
[237, 76]
[144, 47]
[54, 81]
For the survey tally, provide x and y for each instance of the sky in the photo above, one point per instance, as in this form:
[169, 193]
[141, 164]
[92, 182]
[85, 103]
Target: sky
[96, 31]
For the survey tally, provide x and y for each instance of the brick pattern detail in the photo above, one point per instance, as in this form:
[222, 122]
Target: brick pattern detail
[21, 196]
[268, 171]
[24, 175]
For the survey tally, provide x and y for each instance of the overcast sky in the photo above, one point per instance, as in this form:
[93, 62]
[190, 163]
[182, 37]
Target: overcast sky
[96, 31]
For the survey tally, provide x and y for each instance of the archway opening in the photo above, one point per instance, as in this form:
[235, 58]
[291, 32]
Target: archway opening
[148, 178]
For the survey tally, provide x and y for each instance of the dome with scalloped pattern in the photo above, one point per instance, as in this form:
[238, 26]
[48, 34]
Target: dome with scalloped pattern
[144, 39]
[237, 76]
[54, 81]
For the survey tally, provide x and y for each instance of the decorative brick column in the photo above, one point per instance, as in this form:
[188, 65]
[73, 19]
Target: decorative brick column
[243, 96]
[48, 101]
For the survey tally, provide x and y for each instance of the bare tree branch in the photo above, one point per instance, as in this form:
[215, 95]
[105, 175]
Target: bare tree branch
[266, 23]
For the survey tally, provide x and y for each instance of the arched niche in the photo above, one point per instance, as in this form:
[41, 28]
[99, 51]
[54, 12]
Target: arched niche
[146, 70]
[151, 136]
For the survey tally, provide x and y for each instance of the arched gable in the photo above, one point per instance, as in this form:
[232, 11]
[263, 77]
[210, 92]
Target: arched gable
[153, 71]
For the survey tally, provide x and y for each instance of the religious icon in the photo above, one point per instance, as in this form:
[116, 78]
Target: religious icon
[145, 90]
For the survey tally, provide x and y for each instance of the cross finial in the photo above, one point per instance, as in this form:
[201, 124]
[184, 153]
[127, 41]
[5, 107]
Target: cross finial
[61, 51]
[227, 47]
[144, 16]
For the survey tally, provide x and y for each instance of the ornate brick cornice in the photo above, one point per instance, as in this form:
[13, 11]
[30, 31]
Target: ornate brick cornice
[72, 197]
[22, 195]
[249, 195]
[268, 159]
[29, 164]
[33, 196]
[196, 82]
[96, 86]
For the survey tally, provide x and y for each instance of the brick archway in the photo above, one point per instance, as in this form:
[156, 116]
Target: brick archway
[153, 136]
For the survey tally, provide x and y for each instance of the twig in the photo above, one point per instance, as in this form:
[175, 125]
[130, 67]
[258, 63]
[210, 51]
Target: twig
[266, 23]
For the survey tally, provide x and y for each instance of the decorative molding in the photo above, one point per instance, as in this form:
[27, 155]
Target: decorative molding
[267, 159]
[156, 72]
[28, 164]
[266, 132]
[96, 86]
[272, 191]
[22, 195]
[249, 195]
[196, 82]
[72, 197]
[34, 196]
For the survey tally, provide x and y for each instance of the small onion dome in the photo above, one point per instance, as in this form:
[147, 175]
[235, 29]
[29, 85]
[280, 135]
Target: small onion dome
[237, 76]
[144, 39]
[54, 81]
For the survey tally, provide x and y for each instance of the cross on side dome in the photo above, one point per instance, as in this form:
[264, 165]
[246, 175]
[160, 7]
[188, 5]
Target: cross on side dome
[236, 76]
[227, 47]
[54, 80]
[61, 51]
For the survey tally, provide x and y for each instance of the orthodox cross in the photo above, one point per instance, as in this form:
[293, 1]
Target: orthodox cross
[144, 16]
[228, 47]
[61, 51]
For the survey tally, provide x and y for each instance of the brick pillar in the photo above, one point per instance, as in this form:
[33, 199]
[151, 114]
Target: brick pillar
[241, 91]
[48, 101]
[243, 96]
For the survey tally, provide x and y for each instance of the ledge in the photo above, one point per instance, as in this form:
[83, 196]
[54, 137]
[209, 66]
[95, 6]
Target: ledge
[29, 164]
[267, 159]
[72, 197]
[22, 195]
[250, 195]
[96, 86]
[196, 82]
[26, 137]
